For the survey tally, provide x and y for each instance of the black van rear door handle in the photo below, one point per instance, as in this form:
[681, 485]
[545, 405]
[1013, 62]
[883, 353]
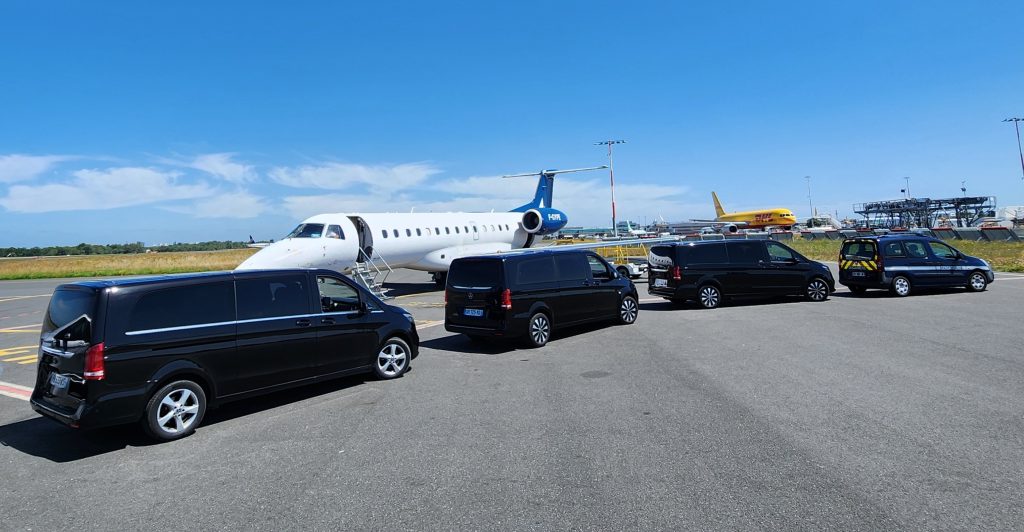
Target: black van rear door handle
[303, 323]
[327, 321]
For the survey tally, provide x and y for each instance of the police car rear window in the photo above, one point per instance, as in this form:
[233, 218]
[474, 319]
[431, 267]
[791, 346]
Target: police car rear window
[859, 250]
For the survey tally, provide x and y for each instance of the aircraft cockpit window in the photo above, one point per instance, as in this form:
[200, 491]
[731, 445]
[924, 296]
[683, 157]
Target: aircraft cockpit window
[307, 231]
[334, 231]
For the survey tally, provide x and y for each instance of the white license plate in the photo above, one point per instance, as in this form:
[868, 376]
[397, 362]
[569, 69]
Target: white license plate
[857, 274]
[476, 312]
[660, 282]
[58, 381]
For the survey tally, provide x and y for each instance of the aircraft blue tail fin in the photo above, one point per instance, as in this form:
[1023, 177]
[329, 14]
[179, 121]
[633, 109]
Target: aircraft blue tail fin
[542, 198]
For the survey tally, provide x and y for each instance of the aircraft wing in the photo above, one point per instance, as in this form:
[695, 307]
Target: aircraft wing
[718, 222]
[610, 243]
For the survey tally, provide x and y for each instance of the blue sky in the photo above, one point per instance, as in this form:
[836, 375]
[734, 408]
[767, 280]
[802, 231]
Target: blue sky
[192, 121]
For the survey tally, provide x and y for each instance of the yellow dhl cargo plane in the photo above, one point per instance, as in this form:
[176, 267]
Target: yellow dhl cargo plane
[759, 219]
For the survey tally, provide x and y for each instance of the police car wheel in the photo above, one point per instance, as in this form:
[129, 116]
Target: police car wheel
[901, 286]
[977, 282]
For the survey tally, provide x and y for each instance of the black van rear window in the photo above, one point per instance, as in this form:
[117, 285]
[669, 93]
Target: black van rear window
[67, 305]
[475, 273]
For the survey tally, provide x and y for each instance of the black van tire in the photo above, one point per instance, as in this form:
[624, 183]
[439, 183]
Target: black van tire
[817, 290]
[538, 330]
[181, 402]
[709, 296]
[857, 290]
[392, 358]
[901, 286]
[977, 282]
[629, 309]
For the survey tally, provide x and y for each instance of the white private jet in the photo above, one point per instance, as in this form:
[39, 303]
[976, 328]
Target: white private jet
[419, 241]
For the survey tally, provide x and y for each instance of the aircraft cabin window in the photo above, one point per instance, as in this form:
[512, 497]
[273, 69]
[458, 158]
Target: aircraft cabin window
[334, 231]
[395, 231]
[408, 232]
[456, 229]
[484, 227]
[418, 232]
[447, 231]
[492, 227]
[437, 230]
[466, 227]
[475, 230]
[384, 232]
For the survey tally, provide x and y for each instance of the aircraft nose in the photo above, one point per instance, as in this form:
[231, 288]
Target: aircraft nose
[277, 255]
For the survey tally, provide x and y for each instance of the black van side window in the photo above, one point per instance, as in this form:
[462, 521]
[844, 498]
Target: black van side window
[183, 305]
[571, 267]
[535, 270]
[269, 297]
[707, 254]
[598, 269]
[336, 295]
[777, 252]
[746, 252]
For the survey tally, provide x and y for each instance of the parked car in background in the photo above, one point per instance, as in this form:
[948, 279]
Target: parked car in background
[530, 294]
[162, 350]
[711, 271]
[906, 263]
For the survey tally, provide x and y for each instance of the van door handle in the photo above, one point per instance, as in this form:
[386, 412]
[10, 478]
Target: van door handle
[327, 321]
[303, 323]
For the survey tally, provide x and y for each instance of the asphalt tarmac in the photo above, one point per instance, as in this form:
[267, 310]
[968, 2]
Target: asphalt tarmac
[856, 413]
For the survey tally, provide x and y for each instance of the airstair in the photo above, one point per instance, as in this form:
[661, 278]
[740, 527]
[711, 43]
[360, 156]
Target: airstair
[372, 273]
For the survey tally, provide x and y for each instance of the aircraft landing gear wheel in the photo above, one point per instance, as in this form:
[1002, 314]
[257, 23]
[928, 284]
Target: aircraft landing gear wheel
[623, 271]
[901, 286]
[628, 310]
[439, 278]
[538, 331]
[709, 296]
[817, 290]
[977, 282]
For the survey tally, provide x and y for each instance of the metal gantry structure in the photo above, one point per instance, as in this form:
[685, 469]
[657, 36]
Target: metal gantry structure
[926, 212]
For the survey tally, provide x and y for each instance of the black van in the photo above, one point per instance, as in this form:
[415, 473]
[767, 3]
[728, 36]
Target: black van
[712, 270]
[902, 263]
[528, 294]
[161, 349]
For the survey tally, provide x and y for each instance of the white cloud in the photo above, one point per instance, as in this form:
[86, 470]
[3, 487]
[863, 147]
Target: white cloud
[17, 167]
[102, 189]
[223, 166]
[238, 204]
[339, 176]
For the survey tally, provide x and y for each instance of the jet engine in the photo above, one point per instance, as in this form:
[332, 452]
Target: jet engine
[544, 221]
[729, 228]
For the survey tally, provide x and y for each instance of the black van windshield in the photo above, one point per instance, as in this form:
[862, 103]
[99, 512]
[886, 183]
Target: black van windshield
[475, 274]
[67, 305]
[307, 231]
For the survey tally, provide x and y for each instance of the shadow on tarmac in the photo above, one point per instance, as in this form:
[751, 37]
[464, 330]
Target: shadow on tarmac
[411, 289]
[460, 343]
[663, 306]
[48, 439]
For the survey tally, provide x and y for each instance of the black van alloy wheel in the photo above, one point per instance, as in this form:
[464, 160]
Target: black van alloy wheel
[175, 410]
[817, 290]
[628, 310]
[977, 282]
[709, 296]
[539, 330]
[901, 286]
[392, 359]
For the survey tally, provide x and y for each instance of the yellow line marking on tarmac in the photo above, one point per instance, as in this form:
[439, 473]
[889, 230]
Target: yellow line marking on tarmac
[12, 331]
[25, 326]
[429, 323]
[16, 298]
[19, 359]
[33, 361]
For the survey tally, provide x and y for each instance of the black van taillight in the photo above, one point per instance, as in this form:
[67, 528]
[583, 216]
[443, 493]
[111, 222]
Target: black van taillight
[677, 273]
[506, 299]
[94, 363]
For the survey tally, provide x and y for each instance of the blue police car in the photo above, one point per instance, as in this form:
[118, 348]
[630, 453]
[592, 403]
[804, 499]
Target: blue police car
[905, 263]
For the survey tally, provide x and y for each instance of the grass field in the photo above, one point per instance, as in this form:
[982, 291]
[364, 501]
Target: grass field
[111, 265]
[1003, 256]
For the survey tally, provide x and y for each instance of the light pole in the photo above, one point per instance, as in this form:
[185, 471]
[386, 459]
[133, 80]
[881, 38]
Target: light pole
[963, 187]
[809, 202]
[1016, 125]
[611, 178]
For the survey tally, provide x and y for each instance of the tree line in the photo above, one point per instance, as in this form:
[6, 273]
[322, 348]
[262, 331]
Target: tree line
[117, 249]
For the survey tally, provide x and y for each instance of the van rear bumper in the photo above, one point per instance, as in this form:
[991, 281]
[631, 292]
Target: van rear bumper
[497, 332]
[113, 409]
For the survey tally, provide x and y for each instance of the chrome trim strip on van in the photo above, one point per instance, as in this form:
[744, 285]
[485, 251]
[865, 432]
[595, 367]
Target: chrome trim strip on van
[57, 352]
[240, 322]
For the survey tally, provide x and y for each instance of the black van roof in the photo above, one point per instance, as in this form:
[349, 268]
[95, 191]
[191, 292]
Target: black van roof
[132, 281]
[522, 253]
